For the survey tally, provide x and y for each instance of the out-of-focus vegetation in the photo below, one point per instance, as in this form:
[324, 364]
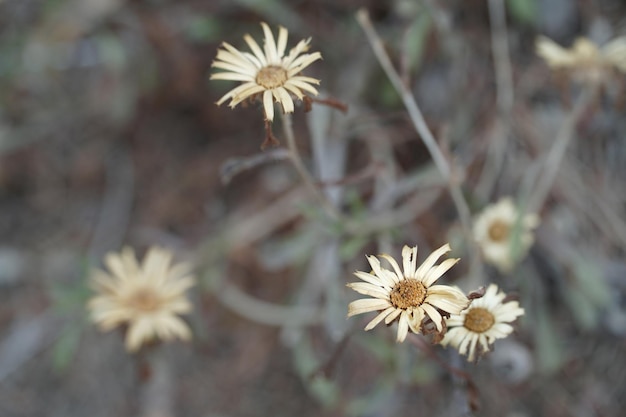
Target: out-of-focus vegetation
[110, 136]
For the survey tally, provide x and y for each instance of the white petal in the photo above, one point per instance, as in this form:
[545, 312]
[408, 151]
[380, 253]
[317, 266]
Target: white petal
[383, 314]
[430, 261]
[393, 315]
[366, 305]
[235, 68]
[399, 275]
[285, 99]
[268, 105]
[302, 62]
[269, 45]
[231, 76]
[403, 327]
[409, 261]
[372, 279]
[434, 315]
[369, 289]
[282, 41]
[435, 273]
[296, 82]
[256, 49]
[375, 264]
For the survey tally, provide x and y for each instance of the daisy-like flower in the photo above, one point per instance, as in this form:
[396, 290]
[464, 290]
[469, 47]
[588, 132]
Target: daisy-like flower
[408, 296]
[147, 298]
[267, 72]
[587, 61]
[486, 319]
[502, 240]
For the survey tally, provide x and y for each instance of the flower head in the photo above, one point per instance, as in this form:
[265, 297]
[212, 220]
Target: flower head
[587, 61]
[408, 296]
[502, 239]
[146, 297]
[486, 319]
[267, 72]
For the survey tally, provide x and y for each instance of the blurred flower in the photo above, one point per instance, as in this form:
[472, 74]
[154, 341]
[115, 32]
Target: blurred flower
[267, 71]
[502, 240]
[146, 297]
[409, 296]
[486, 319]
[587, 61]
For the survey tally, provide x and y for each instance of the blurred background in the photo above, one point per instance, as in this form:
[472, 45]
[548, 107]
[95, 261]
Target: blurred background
[110, 136]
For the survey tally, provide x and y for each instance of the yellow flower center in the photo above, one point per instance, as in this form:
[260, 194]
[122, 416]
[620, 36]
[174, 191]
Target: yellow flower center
[498, 231]
[408, 293]
[144, 299]
[479, 320]
[271, 76]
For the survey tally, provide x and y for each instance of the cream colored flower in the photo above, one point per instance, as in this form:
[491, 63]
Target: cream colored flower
[410, 295]
[486, 319]
[146, 297]
[587, 61]
[267, 72]
[502, 240]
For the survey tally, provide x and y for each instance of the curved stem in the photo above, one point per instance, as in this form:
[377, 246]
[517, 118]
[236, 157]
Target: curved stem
[501, 60]
[415, 114]
[555, 156]
[267, 313]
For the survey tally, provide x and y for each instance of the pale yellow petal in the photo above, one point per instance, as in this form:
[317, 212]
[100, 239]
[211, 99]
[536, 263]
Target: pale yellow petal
[268, 105]
[369, 289]
[431, 259]
[256, 49]
[409, 261]
[282, 41]
[403, 327]
[269, 45]
[382, 315]
[366, 305]
[435, 273]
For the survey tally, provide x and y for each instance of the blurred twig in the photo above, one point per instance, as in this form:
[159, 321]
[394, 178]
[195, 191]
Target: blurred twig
[504, 99]
[501, 60]
[547, 175]
[235, 166]
[421, 127]
[472, 398]
[158, 392]
[116, 206]
[267, 313]
[304, 174]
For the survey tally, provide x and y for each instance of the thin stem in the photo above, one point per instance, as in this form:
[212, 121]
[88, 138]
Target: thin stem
[555, 156]
[407, 98]
[470, 396]
[267, 313]
[421, 127]
[501, 60]
[499, 136]
[157, 398]
[308, 180]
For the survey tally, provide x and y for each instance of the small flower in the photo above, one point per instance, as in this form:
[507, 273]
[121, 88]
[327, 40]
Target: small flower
[484, 321]
[502, 241]
[147, 297]
[587, 61]
[267, 73]
[408, 296]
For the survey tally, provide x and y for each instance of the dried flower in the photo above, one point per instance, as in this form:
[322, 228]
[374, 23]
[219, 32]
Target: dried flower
[267, 73]
[587, 62]
[409, 296]
[147, 297]
[502, 240]
[486, 319]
